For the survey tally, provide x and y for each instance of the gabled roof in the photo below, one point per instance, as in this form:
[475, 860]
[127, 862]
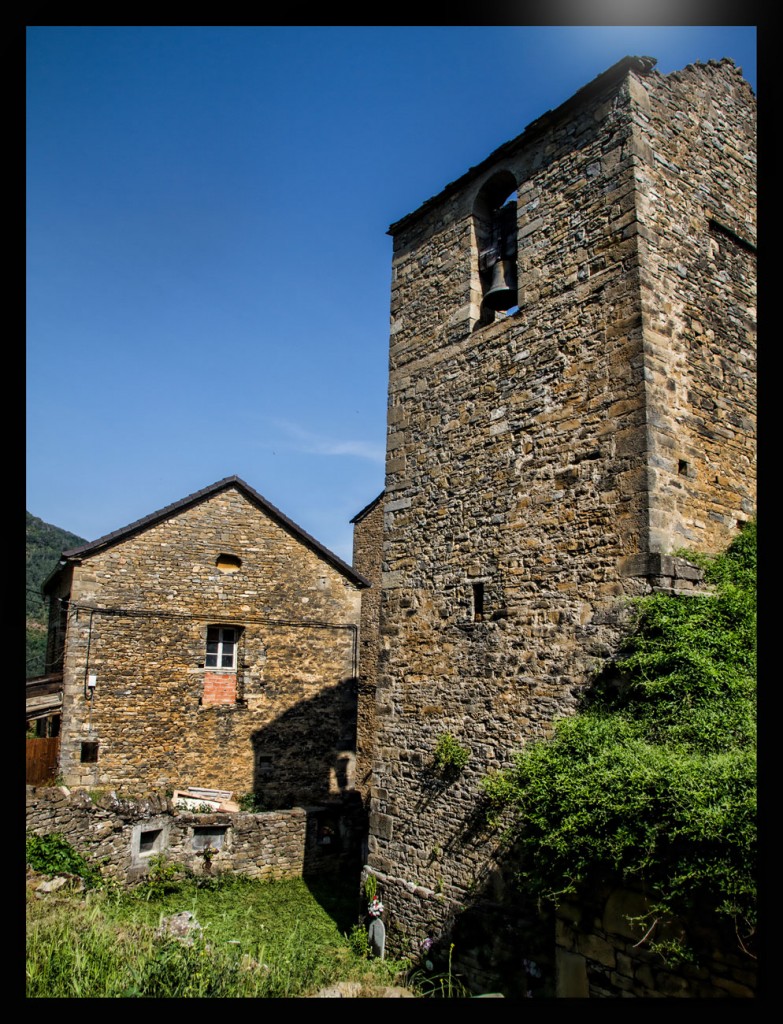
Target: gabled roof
[76, 555]
[367, 509]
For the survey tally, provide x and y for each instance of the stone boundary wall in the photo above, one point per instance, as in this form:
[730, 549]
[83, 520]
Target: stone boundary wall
[602, 955]
[121, 835]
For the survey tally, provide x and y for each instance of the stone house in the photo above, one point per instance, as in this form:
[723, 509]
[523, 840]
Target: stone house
[211, 644]
[572, 399]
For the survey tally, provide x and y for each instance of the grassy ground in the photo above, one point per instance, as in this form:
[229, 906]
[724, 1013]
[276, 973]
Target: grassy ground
[256, 939]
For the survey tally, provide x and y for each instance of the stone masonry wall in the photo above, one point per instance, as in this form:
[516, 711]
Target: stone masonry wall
[524, 468]
[605, 954]
[368, 560]
[511, 450]
[138, 616]
[695, 168]
[108, 832]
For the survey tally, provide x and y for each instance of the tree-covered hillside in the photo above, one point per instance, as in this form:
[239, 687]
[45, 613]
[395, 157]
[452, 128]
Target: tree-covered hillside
[45, 544]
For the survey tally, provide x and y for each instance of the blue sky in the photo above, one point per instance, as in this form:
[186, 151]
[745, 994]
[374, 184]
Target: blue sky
[208, 264]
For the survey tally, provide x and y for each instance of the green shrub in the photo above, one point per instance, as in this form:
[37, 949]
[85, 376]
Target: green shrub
[450, 756]
[359, 941]
[251, 803]
[163, 877]
[654, 782]
[53, 855]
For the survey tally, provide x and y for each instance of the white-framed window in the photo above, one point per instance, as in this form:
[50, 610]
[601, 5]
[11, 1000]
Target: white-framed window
[221, 647]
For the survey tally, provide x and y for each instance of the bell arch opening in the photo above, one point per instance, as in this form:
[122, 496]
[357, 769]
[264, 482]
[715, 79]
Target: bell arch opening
[495, 234]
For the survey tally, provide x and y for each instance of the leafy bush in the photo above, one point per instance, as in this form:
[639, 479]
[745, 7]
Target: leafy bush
[450, 756]
[163, 878]
[251, 803]
[53, 855]
[359, 941]
[654, 782]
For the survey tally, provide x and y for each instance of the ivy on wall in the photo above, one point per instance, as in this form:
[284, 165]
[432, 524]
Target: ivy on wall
[654, 781]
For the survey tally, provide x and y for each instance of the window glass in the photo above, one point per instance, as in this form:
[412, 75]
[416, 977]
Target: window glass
[221, 647]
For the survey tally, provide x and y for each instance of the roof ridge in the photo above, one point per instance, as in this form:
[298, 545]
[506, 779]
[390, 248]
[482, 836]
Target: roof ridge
[108, 539]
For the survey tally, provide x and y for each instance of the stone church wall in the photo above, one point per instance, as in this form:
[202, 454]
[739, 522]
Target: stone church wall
[695, 169]
[544, 466]
[368, 560]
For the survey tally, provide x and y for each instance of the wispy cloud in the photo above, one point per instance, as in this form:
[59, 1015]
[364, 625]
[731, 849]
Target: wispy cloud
[298, 439]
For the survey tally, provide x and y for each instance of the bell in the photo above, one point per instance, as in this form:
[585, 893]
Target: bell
[502, 292]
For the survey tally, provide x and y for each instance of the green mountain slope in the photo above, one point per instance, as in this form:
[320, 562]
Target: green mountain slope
[45, 544]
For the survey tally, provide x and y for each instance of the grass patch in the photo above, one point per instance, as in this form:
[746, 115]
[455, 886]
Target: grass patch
[257, 939]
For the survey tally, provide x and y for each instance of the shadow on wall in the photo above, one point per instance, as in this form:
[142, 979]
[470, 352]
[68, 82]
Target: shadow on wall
[496, 938]
[307, 754]
[306, 758]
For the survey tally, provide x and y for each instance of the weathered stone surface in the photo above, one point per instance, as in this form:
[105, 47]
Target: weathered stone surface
[368, 560]
[272, 845]
[622, 913]
[546, 464]
[182, 926]
[280, 724]
[571, 976]
[615, 963]
[356, 990]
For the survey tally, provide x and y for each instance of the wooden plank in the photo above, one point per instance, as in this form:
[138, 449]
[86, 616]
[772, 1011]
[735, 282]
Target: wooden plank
[41, 759]
[47, 700]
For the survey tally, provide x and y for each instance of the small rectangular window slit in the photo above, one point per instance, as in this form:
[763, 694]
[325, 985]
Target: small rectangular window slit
[478, 602]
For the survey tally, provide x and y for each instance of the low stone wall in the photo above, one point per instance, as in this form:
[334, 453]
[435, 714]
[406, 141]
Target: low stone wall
[601, 954]
[120, 836]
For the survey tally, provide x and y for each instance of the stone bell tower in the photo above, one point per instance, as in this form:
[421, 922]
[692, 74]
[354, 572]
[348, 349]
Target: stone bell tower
[571, 400]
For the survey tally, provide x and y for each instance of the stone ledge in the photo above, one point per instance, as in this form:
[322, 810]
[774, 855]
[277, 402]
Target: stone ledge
[665, 573]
